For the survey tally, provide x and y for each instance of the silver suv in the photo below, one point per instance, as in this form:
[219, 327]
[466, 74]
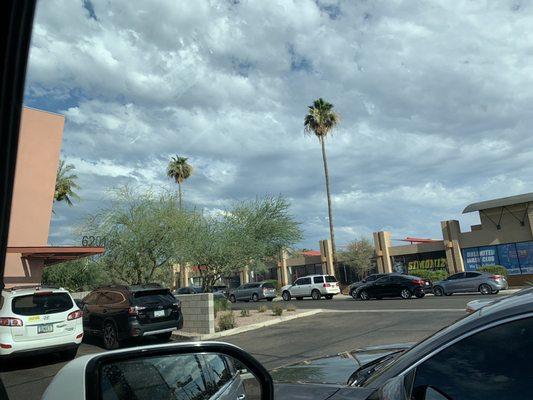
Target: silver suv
[314, 286]
[471, 281]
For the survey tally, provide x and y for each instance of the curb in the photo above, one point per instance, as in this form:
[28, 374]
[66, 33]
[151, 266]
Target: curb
[246, 328]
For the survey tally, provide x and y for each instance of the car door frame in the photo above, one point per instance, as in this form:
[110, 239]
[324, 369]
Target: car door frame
[241, 291]
[306, 288]
[295, 288]
[378, 289]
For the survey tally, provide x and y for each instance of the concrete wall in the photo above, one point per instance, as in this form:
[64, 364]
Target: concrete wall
[198, 312]
[33, 193]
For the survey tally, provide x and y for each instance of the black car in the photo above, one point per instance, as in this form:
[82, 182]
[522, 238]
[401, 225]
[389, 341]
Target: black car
[369, 278]
[119, 312]
[393, 285]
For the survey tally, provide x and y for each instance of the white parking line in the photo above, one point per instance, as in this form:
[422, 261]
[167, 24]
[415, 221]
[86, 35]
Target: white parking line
[396, 310]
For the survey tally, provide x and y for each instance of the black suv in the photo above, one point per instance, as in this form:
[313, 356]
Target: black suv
[119, 312]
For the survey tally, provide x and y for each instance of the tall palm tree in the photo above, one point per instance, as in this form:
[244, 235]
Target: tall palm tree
[179, 170]
[65, 183]
[320, 121]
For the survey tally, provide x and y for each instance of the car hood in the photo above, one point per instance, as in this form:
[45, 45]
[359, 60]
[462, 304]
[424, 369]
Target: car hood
[285, 287]
[333, 369]
[357, 284]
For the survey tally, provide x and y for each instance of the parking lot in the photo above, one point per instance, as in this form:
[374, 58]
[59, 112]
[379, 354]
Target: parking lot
[346, 324]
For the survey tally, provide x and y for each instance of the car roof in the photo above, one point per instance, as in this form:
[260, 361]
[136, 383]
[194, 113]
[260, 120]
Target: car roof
[133, 288]
[22, 291]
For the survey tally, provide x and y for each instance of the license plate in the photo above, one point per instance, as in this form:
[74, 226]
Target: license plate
[159, 313]
[47, 328]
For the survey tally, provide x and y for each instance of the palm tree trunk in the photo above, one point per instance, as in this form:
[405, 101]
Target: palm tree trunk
[179, 193]
[330, 211]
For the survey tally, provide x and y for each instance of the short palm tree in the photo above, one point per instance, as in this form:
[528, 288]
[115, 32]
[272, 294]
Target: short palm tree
[320, 121]
[65, 183]
[179, 170]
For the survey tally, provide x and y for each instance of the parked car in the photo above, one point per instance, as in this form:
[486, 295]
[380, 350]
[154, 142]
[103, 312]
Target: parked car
[472, 281]
[118, 312]
[393, 285]
[369, 278]
[253, 291]
[198, 289]
[314, 286]
[39, 320]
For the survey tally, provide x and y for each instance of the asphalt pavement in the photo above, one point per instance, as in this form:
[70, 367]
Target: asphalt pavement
[345, 325]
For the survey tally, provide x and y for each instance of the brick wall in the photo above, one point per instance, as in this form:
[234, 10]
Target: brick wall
[198, 312]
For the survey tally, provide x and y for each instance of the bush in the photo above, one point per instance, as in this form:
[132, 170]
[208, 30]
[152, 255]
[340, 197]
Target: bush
[431, 274]
[274, 283]
[221, 305]
[262, 309]
[75, 276]
[245, 313]
[495, 269]
[277, 310]
[227, 321]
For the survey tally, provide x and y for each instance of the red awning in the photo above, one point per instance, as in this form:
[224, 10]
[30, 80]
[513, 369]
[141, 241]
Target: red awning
[55, 254]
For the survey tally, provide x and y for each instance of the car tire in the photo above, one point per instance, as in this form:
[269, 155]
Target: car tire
[448, 294]
[315, 294]
[406, 294]
[363, 295]
[353, 294]
[328, 296]
[495, 291]
[286, 295]
[110, 336]
[70, 354]
[419, 293]
[233, 299]
[255, 298]
[270, 298]
[164, 337]
[438, 291]
[485, 289]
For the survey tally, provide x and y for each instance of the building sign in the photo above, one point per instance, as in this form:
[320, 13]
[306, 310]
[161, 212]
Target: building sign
[516, 257]
[435, 260]
[471, 259]
[525, 256]
[508, 257]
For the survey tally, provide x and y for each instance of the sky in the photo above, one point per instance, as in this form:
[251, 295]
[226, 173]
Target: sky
[435, 100]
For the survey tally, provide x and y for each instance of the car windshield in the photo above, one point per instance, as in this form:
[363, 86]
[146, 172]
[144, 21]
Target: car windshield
[145, 297]
[41, 303]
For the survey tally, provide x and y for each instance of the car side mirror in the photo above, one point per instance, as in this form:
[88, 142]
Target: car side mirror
[206, 370]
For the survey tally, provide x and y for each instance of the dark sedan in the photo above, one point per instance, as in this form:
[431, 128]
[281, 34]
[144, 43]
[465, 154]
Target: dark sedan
[369, 278]
[393, 285]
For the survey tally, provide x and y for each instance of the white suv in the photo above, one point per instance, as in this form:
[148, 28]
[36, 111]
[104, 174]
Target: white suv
[39, 320]
[313, 286]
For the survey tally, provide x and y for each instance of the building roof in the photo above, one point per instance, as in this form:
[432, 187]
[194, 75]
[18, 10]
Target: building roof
[310, 253]
[502, 202]
[55, 254]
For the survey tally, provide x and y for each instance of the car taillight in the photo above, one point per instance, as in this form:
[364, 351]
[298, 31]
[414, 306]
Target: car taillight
[75, 315]
[177, 304]
[418, 281]
[11, 322]
[496, 277]
[135, 310]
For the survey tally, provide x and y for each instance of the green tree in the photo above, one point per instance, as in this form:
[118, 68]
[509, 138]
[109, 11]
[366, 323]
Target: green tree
[76, 276]
[143, 234]
[65, 183]
[179, 170]
[357, 256]
[320, 121]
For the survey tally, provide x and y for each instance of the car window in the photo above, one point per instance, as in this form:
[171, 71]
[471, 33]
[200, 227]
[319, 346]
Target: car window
[183, 291]
[318, 279]
[91, 298]
[147, 297]
[114, 297]
[104, 298]
[42, 303]
[456, 276]
[297, 282]
[371, 278]
[330, 278]
[254, 285]
[383, 279]
[218, 367]
[268, 286]
[492, 364]
[472, 275]
[305, 281]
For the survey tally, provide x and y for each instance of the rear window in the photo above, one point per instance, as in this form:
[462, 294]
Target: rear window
[38, 304]
[318, 279]
[153, 297]
[330, 278]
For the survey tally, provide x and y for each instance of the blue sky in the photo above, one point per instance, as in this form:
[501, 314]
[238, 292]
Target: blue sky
[435, 99]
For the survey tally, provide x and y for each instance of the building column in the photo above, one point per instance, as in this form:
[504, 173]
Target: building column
[382, 243]
[451, 233]
[184, 275]
[283, 273]
[326, 257]
[245, 278]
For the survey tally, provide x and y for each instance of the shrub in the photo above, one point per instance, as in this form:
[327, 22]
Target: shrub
[277, 310]
[221, 305]
[226, 321]
[262, 309]
[291, 309]
[245, 313]
[431, 274]
[495, 269]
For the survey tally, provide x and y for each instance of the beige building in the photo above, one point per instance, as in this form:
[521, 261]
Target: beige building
[504, 237]
[33, 196]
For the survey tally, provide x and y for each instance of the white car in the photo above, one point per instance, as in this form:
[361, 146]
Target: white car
[314, 286]
[39, 320]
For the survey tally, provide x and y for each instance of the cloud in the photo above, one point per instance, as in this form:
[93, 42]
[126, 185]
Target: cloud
[434, 96]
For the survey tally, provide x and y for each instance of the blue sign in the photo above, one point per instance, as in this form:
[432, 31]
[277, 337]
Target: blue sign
[509, 258]
[488, 255]
[471, 259]
[525, 256]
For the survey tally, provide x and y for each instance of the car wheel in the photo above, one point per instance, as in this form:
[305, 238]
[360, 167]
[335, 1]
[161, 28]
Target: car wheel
[448, 294]
[232, 298]
[406, 294]
[364, 295]
[286, 295]
[110, 336]
[328, 296]
[164, 337]
[438, 291]
[255, 298]
[315, 295]
[419, 294]
[353, 294]
[495, 291]
[68, 355]
[485, 289]
[270, 298]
